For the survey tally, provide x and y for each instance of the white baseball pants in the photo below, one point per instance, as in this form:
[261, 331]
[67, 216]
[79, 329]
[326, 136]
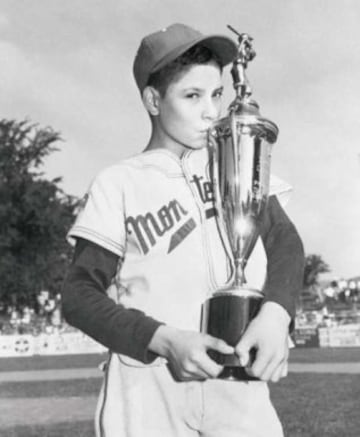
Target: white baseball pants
[140, 400]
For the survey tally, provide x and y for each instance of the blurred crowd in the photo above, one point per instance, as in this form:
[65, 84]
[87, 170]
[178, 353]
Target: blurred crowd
[45, 318]
[324, 318]
[341, 291]
[335, 304]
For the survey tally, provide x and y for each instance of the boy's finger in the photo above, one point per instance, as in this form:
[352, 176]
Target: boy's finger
[260, 364]
[271, 371]
[218, 345]
[280, 372]
[243, 348]
[244, 357]
[211, 368]
[276, 374]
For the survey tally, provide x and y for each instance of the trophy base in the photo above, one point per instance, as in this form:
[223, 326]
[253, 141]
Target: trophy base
[226, 315]
[236, 374]
[232, 370]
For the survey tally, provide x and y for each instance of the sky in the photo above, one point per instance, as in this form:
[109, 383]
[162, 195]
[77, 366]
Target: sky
[68, 65]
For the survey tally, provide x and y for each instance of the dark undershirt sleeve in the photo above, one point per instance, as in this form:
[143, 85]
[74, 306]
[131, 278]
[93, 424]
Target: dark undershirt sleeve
[87, 307]
[285, 254]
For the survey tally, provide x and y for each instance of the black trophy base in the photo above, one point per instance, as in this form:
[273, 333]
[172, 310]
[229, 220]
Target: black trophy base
[236, 374]
[226, 315]
[232, 370]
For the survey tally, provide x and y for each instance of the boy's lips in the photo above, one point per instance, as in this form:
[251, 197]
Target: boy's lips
[204, 134]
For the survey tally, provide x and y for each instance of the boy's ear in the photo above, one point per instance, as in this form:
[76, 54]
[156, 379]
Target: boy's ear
[151, 97]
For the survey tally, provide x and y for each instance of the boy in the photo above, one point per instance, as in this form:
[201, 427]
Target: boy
[148, 228]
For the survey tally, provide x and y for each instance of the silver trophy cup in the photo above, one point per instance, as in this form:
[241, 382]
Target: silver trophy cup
[240, 151]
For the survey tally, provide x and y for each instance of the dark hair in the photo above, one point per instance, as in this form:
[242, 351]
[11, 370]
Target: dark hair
[196, 55]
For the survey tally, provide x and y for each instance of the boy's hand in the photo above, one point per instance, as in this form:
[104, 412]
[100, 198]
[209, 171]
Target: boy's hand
[268, 335]
[186, 352]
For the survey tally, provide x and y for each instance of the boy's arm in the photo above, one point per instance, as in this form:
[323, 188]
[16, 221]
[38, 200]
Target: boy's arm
[129, 331]
[268, 332]
[86, 306]
[285, 257]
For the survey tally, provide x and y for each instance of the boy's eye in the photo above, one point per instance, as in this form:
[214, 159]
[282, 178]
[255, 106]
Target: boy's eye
[193, 96]
[218, 94]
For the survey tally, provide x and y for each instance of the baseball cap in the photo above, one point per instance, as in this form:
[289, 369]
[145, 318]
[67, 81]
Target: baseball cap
[162, 47]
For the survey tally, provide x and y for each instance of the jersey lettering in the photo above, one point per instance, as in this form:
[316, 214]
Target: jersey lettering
[205, 188]
[147, 226]
[206, 193]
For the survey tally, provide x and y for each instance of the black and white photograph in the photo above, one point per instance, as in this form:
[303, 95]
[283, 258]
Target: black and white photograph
[179, 218]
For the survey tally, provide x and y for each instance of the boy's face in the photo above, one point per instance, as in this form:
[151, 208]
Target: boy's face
[189, 107]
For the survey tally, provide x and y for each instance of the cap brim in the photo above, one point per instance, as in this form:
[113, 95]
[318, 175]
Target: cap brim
[224, 48]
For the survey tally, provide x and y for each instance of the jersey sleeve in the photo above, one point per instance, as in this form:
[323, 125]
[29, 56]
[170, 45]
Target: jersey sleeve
[101, 217]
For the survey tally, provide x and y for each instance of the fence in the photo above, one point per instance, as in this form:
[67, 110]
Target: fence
[48, 344]
[335, 336]
[64, 343]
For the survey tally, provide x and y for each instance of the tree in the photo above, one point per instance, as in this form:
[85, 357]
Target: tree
[35, 214]
[314, 267]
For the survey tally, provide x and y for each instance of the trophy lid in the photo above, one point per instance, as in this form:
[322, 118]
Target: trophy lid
[246, 115]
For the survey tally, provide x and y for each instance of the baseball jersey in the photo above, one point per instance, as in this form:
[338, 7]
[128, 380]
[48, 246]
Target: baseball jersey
[156, 212]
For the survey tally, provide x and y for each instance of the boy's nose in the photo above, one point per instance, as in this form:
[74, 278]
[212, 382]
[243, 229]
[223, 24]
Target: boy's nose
[210, 111]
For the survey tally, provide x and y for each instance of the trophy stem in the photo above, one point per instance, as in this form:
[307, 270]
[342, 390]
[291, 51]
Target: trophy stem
[240, 279]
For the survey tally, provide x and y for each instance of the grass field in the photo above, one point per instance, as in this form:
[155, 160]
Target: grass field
[310, 405]
[51, 362]
[318, 405]
[78, 429]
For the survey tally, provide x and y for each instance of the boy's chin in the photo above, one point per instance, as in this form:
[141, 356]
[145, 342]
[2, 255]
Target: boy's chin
[198, 145]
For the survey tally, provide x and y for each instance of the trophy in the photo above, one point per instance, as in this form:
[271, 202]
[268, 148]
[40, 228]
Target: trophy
[240, 151]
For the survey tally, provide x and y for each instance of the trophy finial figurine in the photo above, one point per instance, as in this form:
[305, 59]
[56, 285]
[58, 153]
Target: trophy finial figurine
[246, 53]
[240, 146]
